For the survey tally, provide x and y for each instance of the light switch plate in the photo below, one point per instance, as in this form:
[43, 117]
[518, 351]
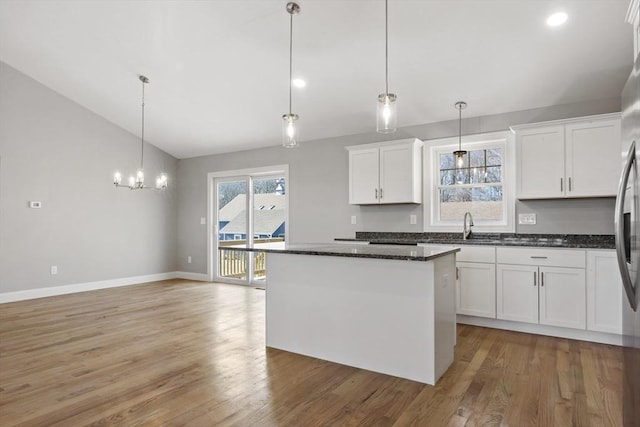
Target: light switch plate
[203, 221]
[527, 219]
[413, 219]
[353, 220]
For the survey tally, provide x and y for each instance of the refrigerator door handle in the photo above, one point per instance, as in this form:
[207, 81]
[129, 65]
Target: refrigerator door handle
[619, 226]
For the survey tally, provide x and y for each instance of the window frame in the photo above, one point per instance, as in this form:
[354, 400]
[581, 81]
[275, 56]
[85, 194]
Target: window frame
[431, 178]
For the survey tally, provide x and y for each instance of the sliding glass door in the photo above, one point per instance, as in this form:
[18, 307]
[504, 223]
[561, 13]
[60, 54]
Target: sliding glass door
[250, 211]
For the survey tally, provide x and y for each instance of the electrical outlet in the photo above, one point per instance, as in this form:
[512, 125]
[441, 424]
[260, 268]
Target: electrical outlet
[413, 219]
[35, 205]
[54, 269]
[189, 259]
[527, 219]
[353, 220]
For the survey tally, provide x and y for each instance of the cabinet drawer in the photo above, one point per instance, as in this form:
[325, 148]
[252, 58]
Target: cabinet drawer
[476, 254]
[544, 257]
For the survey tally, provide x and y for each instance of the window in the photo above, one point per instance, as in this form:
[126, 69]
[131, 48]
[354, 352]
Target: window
[480, 185]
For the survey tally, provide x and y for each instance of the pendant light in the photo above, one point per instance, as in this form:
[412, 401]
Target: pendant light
[289, 124]
[460, 153]
[137, 182]
[387, 106]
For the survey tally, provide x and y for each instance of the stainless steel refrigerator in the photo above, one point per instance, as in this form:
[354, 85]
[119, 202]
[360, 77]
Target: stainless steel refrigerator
[627, 224]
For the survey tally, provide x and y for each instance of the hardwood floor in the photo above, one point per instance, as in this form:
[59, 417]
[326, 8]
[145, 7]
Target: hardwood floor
[180, 353]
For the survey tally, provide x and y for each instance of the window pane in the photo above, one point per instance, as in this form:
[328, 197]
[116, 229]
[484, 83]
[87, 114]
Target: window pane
[461, 176]
[494, 157]
[485, 203]
[447, 161]
[447, 177]
[493, 174]
[477, 158]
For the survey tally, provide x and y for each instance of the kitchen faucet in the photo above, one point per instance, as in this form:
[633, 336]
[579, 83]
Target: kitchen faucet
[466, 232]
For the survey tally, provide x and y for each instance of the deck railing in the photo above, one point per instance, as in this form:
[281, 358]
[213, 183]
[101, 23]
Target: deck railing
[232, 263]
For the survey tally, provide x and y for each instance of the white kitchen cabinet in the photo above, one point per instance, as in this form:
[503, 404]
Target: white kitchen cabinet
[517, 289]
[545, 286]
[604, 292]
[385, 173]
[568, 158]
[562, 297]
[476, 281]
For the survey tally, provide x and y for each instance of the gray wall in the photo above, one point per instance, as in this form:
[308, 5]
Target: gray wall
[318, 187]
[54, 151]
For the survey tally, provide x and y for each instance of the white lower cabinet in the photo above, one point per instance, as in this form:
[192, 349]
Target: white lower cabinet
[517, 293]
[604, 292]
[476, 281]
[544, 286]
[476, 289]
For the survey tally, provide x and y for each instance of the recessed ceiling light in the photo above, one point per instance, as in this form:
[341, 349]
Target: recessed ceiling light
[556, 19]
[298, 83]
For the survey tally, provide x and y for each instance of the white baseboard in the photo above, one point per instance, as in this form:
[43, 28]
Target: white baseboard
[192, 276]
[83, 287]
[552, 331]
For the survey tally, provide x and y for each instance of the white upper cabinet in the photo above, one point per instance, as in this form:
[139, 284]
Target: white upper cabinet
[569, 158]
[385, 173]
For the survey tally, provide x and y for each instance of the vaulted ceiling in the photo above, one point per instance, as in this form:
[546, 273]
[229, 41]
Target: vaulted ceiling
[218, 69]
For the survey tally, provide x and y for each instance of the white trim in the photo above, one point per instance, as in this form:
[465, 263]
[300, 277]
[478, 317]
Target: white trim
[83, 287]
[551, 331]
[582, 119]
[430, 161]
[192, 276]
[211, 201]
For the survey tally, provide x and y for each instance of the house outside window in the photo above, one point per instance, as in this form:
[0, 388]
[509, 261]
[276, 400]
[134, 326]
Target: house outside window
[483, 184]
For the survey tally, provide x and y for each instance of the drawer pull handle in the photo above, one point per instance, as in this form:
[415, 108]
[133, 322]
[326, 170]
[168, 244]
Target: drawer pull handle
[539, 257]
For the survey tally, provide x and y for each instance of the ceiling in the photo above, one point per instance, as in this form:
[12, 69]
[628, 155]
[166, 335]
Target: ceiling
[218, 69]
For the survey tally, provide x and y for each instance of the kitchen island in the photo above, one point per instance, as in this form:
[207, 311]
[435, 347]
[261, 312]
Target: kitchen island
[388, 309]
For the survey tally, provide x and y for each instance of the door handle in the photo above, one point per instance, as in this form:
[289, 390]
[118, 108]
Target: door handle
[619, 228]
[381, 193]
[376, 190]
[535, 279]
[541, 279]
[457, 273]
[569, 183]
[561, 187]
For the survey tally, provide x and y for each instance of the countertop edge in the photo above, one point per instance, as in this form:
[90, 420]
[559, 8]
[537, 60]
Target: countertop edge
[311, 252]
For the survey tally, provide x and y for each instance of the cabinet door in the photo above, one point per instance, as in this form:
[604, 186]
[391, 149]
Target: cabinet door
[399, 174]
[604, 292]
[363, 176]
[593, 158]
[476, 289]
[517, 293]
[541, 162]
[562, 297]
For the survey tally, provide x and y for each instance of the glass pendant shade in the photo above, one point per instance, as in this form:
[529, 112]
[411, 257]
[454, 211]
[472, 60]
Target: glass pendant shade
[387, 113]
[290, 130]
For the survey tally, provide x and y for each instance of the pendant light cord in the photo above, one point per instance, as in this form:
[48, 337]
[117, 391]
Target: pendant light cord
[290, 58]
[142, 136]
[460, 127]
[386, 47]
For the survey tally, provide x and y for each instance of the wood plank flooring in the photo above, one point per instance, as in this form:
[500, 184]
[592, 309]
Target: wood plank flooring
[180, 353]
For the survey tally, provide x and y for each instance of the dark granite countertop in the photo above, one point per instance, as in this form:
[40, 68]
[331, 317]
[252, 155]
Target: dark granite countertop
[391, 252]
[581, 241]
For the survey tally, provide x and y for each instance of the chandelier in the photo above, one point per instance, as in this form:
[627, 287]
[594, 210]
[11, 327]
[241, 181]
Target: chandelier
[137, 182]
